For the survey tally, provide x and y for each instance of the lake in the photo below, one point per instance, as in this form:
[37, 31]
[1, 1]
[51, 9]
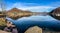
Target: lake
[24, 24]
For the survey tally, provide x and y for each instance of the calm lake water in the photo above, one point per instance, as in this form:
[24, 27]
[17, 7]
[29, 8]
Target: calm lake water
[23, 25]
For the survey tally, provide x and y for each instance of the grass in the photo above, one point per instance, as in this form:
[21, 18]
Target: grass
[2, 22]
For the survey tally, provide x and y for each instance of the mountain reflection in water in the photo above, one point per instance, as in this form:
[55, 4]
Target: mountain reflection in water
[24, 24]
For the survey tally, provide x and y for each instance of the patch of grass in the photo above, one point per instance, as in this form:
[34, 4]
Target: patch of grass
[2, 22]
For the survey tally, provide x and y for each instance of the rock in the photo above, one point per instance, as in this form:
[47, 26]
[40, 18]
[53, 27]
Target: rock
[55, 13]
[34, 29]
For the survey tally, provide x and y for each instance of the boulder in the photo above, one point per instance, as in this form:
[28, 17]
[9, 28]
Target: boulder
[34, 29]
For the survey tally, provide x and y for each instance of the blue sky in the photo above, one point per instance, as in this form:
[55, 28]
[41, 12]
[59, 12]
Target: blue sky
[33, 5]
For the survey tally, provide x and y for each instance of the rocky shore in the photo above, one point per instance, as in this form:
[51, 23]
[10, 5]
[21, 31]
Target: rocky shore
[1, 31]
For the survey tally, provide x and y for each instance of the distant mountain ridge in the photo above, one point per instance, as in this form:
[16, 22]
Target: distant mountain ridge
[16, 13]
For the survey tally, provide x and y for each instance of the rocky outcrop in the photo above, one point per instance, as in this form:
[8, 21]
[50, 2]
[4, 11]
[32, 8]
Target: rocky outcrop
[34, 29]
[56, 13]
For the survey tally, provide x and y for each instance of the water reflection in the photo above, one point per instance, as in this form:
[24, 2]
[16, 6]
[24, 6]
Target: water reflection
[41, 21]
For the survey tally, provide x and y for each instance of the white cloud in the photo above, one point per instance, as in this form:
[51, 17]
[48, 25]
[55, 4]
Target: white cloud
[38, 8]
[34, 6]
[24, 6]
